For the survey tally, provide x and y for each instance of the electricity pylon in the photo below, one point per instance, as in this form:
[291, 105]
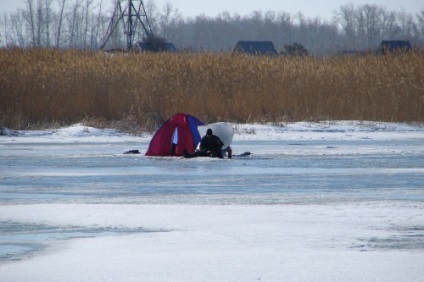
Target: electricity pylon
[132, 17]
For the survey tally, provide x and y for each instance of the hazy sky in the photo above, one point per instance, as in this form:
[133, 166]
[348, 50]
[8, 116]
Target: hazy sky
[310, 8]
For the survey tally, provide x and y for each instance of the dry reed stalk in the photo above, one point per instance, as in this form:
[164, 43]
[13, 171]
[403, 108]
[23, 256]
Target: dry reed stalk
[50, 86]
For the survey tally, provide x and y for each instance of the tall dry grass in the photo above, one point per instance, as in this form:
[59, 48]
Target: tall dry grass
[44, 86]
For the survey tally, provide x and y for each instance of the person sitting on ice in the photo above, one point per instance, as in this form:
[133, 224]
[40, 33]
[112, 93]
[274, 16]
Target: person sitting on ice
[210, 146]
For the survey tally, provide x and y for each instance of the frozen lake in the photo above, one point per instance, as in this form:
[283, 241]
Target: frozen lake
[354, 169]
[306, 170]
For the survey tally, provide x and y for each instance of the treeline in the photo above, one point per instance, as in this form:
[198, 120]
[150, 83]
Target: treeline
[83, 24]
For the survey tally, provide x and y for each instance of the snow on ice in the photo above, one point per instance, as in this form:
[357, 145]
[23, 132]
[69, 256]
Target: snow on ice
[328, 201]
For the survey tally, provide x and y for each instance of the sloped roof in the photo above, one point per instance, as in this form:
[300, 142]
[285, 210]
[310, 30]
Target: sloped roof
[393, 46]
[256, 48]
[160, 46]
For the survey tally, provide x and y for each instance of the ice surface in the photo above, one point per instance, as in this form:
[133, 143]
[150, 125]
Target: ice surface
[330, 201]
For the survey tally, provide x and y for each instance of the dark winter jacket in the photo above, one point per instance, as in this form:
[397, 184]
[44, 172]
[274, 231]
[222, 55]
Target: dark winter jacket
[210, 146]
[211, 143]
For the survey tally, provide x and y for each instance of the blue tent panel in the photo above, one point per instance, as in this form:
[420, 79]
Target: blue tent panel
[193, 123]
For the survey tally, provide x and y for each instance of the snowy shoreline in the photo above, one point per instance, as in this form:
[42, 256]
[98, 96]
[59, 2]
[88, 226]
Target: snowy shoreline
[338, 129]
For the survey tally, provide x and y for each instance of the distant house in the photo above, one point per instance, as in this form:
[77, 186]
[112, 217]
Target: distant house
[256, 48]
[390, 46]
[157, 47]
[350, 53]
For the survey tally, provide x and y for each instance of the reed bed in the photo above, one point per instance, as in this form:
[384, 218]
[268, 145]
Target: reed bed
[140, 90]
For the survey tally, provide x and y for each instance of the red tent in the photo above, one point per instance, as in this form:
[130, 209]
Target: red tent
[177, 134]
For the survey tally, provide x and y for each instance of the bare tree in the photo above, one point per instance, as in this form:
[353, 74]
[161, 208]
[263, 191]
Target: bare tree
[29, 16]
[61, 4]
[73, 18]
[86, 28]
[346, 17]
[284, 25]
[39, 26]
[152, 13]
[420, 18]
[389, 26]
[17, 28]
[371, 16]
[165, 19]
[3, 30]
[407, 25]
[96, 27]
[47, 21]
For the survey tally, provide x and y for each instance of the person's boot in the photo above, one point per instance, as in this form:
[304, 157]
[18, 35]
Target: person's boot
[186, 154]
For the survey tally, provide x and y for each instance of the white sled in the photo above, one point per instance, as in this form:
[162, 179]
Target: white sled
[223, 130]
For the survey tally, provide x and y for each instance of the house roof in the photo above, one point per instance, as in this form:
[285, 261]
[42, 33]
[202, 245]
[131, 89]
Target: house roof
[393, 46]
[160, 46]
[256, 48]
